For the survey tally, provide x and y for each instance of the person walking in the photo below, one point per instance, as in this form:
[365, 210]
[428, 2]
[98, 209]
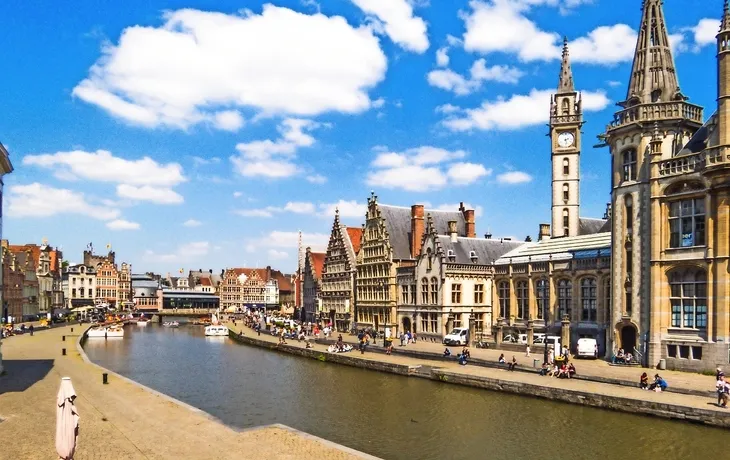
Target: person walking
[31, 330]
[722, 392]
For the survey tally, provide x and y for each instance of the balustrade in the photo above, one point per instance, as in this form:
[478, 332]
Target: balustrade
[656, 112]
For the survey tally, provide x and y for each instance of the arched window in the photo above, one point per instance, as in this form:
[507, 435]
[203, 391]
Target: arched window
[434, 291]
[566, 222]
[566, 107]
[629, 203]
[687, 223]
[523, 300]
[629, 165]
[565, 298]
[588, 299]
[503, 292]
[566, 192]
[688, 295]
[566, 166]
[542, 292]
[424, 291]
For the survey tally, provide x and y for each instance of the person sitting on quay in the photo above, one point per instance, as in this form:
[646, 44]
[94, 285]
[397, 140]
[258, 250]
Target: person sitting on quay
[659, 384]
[501, 359]
[513, 364]
[553, 371]
[447, 352]
[462, 359]
[619, 358]
[723, 388]
[644, 381]
[544, 369]
[563, 372]
[571, 371]
[465, 352]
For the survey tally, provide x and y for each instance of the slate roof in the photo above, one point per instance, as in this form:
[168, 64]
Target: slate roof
[589, 226]
[355, 234]
[555, 248]
[398, 224]
[487, 251]
[700, 140]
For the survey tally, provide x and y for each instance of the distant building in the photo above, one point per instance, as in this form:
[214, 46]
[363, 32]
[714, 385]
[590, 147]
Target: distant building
[79, 285]
[144, 292]
[311, 285]
[195, 280]
[107, 283]
[12, 289]
[125, 293]
[170, 299]
[47, 265]
[6, 167]
[253, 288]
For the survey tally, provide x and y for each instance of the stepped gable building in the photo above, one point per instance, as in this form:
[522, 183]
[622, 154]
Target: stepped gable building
[6, 167]
[391, 242]
[312, 285]
[47, 262]
[451, 284]
[671, 201]
[107, 283]
[252, 288]
[12, 288]
[125, 295]
[338, 274]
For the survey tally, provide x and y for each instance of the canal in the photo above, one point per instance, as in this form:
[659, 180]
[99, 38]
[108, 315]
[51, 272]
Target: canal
[386, 415]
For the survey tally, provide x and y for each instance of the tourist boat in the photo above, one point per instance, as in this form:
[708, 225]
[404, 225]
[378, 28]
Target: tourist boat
[171, 324]
[142, 321]
[105, 332]
[216, 331]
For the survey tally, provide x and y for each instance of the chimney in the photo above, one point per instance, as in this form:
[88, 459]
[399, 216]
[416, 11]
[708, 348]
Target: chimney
[471, 228]
[453, 233]
[210, 271]
[544, 233]
[417, 229]
[488, 236]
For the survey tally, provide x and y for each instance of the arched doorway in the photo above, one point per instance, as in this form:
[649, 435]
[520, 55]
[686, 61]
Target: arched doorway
[628, 338]
[406, 324]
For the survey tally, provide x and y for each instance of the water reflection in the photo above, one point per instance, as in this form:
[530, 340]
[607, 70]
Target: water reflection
[385, 415]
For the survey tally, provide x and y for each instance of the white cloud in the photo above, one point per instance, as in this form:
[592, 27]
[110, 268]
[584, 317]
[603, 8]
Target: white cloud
[442, 57]
[613, 83]
[517, 112]
[606, 45]
[149, 193]
[299, 207]
[478, 210]
[296, 207]
[449, 80]
[499, 73]
[274, 159]
[421, 169]
[197, 63]
[199, 161]
[184, 253]
[39, 200]
[277, 255]
[103, 166]
[237, 194]
[192, 223]
[289, 240]
[121, 224]
[447, 109]
[467, 173]
[316, 179]
[254, 213]
[348, 209]
[228, 120]
[379, 103]
[514, 178]
[704, 32]
[405, 29]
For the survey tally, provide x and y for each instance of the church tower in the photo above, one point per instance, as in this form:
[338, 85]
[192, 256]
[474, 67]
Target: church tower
[566, 119]
[654, 123]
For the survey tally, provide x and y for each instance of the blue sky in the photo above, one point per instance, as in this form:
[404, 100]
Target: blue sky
[202, 134]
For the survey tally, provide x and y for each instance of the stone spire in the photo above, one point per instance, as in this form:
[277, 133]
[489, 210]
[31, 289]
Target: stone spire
[565, 84]
[725, 25]
[653, 75]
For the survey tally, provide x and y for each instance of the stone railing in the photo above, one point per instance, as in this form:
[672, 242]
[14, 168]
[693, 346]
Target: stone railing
[539, 267]
[696, 162]
[656, 112]
[501, 269]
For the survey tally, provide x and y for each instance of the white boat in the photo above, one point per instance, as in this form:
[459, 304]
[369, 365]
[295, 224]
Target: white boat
[216, 331]
[142, 321]
[171, 324]
[105, 332]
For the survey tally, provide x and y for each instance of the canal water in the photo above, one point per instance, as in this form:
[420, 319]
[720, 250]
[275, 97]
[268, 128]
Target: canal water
[385, 415]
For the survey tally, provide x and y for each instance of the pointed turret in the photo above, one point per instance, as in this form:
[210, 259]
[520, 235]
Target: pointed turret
[725, 25]
[653, 75]
[723, 78]
[565, 84]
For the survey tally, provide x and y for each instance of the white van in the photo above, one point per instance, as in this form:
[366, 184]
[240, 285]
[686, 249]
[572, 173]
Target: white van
[587, 348]
[553, 342]
[459, 336]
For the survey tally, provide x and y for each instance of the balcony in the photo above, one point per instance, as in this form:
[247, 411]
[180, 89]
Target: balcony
[697, 162]
[644, 113]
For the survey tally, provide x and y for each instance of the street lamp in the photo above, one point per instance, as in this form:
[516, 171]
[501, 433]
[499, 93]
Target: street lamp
[545, 313]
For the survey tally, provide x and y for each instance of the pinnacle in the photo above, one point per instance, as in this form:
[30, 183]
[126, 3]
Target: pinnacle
[565, 83]
[725, 16]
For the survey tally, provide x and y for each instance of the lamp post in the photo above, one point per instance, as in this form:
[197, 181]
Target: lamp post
[545, 313]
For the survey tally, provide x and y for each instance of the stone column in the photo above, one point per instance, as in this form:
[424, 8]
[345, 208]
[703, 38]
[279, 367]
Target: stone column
[498, 331]
[565, 334]
[530, 333]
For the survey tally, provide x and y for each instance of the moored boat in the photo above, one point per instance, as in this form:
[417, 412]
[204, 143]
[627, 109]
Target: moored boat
[104, 332]
[142, 321]
[171, 324]
[216, 331]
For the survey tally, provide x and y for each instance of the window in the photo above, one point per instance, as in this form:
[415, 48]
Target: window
[429, 261]
[503, 293]
[456, 294]
[566, 192]
[478, 322]
[566, 221]
[696, 352]
[629, 165]
[424, 291]
[523, 296]
[434, 322]
[450, 254]
[629, 202]
[566, 166]
[434, 291]
[404, 294]
[413, 294]
[542, 292]
[607, 296]
[687, 223]
[565, 298]
[479, 294]
[588, 299]
[688, 295]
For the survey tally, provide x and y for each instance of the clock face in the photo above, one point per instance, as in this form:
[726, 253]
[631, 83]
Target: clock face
[566, 139]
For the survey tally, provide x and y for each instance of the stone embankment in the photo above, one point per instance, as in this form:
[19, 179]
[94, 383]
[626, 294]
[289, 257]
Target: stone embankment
[698, 407]
[123, 419]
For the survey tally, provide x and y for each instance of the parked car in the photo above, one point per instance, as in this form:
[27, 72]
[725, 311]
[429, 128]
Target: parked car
[459, 336]
[509, 338]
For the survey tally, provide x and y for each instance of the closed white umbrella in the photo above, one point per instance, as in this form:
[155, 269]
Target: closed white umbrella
[67, 420]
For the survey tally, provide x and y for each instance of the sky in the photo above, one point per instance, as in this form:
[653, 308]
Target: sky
[205, 134]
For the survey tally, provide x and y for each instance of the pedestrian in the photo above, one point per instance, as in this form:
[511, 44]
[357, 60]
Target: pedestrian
[722, 392]
[527, 351]
[31, 330]
[513, 364]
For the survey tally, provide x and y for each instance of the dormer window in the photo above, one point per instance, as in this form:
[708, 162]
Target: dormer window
[450, 254]
[473, 256]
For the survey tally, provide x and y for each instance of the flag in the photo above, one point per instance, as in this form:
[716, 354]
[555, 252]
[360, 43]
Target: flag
[182, 270]
[108, 245]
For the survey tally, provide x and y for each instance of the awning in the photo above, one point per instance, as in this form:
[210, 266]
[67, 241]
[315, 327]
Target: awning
[80, 309]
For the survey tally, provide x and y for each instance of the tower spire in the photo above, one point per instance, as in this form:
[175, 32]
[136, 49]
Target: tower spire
[565, 84]
[653, 75]
[726, 17]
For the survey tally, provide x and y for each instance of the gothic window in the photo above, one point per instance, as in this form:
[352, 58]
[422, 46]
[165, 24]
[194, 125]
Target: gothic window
[429, 260]
[629, 165]
[434, 291]
[565, 298]
[687, 223]
[688, 295]
[456, 294]
[542, 292]
[478, 294]
[566, 107]
[413, 294]
[566, 222]
[629, 213]
[523, 297]
[566, 192]
[588, 299]
[566, 166]
[404, 294]
[607, 296]
[434, 322]
[503, 293]
[424, 322]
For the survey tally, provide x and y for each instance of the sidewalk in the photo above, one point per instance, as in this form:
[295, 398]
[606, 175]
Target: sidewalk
[123, 420]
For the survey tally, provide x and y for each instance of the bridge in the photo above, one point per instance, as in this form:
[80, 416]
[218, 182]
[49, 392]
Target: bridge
[184, 312]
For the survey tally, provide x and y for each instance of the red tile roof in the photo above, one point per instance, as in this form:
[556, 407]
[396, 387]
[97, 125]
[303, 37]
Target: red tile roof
[261, 272]
[318, 263]
[285, 283]
[355, 234]
[36, 252]
[204, 281]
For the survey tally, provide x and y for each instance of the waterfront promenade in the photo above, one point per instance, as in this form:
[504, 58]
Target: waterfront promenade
[123, 420]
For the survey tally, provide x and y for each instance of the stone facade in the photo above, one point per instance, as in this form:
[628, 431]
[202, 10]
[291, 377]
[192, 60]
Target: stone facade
[338, 275]
[144, 292]
[248, 288]
[311, 285]
[670, 204]
[125, 294]
[79, 285]
[12, 289]
[107, 283]
[6, 167]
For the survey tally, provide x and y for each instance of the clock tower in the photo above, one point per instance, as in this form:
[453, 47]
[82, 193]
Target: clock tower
[566, 119]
